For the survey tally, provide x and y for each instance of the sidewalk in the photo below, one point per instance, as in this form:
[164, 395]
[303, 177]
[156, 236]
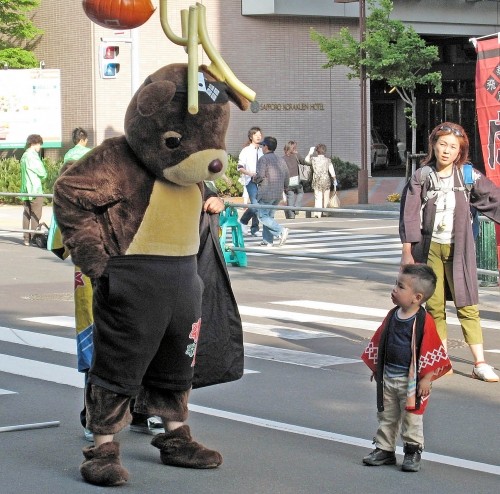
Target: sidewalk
[378, 190]
[11, 216]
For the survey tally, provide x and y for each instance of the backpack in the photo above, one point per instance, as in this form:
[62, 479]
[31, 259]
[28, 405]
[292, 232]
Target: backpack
[466, 177]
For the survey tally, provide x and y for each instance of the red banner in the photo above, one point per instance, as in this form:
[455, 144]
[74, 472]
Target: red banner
[488, 108]
[488, 103]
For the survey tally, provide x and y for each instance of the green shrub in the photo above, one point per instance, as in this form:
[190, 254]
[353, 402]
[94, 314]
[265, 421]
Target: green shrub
[229, 184]
[53, 168]
[346, 173]
[10, 178]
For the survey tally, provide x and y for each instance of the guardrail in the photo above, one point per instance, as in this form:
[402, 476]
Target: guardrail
[334, 257]
[242, 249]
[24, 194]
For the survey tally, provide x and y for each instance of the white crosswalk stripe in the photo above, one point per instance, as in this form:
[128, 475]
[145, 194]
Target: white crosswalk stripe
[7, 392]
[332, 242]
[320, 315]
[69, 376]
[306, 359]
[368, 311]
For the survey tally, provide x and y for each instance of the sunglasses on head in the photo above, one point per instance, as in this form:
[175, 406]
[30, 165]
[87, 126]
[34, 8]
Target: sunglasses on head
[454, 131]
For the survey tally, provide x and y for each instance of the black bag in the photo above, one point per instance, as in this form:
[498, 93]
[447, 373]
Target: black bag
[41, 236]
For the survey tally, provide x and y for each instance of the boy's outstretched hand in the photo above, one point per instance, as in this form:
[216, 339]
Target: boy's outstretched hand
[424, 385]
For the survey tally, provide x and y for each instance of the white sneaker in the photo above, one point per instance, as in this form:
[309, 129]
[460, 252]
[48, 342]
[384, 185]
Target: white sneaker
[87, 434]
[153, 426]
[484, 372]
[284, 236]
[245, 228]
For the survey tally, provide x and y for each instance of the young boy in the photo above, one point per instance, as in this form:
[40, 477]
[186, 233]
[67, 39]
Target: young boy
[411, 356]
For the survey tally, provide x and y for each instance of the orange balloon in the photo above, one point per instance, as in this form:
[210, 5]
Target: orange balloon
[118, 14]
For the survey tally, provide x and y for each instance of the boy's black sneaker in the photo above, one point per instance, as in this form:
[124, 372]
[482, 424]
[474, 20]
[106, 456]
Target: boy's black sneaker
[380, 457]
[411, 462]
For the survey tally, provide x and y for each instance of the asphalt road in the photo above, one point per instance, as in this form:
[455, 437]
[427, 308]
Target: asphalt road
[301, 418]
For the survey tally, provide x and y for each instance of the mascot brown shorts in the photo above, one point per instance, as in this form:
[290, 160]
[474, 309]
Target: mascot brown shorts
[147, 314]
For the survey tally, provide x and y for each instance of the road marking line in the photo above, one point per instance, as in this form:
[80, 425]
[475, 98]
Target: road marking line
[282, 315]
[41, 370]
[332, 307]
[368, 311]
[286, 332]
[40, 340]
[7, 392]
[340, 438]
[64, 321]
[295, 357]
[44, 371]
[374, 243]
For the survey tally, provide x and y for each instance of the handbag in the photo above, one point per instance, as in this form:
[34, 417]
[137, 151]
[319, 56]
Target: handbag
[334, 201]
[294, 181]
[41, 235]
[304, 172]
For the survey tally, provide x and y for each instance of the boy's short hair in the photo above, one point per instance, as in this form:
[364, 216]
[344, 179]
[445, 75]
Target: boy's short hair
[423, 277]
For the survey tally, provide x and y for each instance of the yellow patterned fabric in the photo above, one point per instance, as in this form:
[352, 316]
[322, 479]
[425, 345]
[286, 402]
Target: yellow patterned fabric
[84, 319]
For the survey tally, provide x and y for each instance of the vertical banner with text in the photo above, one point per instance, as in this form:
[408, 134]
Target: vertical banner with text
[488, 108]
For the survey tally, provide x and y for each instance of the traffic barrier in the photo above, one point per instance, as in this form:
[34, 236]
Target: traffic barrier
[486, 265]
[235, 253]
[486, 252]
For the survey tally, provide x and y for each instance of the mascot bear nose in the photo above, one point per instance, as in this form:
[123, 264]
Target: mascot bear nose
[215, 166]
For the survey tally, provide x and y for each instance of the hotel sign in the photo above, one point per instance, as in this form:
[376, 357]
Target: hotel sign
[291, 107]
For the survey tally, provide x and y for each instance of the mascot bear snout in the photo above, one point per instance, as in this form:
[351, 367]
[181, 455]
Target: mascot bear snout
[215, 166]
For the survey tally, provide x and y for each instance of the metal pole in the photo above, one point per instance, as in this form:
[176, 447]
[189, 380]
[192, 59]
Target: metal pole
[363, 172]
[41, 425]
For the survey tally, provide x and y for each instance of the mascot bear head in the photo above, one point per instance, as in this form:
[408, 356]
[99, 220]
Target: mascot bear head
[172, 143]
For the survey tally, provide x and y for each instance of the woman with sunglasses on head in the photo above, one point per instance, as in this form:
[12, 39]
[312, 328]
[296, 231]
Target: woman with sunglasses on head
[435, 228]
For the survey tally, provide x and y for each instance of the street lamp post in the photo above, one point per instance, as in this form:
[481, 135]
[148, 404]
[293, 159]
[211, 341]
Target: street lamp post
[363, 172]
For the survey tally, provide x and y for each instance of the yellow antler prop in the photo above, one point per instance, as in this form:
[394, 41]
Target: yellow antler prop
[194, 32]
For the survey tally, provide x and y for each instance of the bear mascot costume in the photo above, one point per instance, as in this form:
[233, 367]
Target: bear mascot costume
[131, 215]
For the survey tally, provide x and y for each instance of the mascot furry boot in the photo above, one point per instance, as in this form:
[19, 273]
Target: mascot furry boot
[177, 448]
[129, 213]
[102, 465]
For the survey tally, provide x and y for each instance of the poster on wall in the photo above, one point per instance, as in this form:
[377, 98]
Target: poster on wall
[30, 103]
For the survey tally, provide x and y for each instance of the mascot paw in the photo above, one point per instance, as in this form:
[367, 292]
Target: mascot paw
[177, 448]
[102, 465]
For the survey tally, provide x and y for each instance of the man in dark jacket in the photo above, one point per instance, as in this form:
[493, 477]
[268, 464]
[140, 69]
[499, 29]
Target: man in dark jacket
[272, 178]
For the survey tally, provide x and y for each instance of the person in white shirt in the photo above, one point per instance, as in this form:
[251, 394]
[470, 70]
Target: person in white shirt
[247, 166]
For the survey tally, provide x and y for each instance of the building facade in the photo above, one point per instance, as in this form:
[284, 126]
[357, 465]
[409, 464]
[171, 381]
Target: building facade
[267, 45]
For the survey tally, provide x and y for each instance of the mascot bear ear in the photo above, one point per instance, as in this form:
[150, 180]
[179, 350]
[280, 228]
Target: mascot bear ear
[240, 101]
[154, 96]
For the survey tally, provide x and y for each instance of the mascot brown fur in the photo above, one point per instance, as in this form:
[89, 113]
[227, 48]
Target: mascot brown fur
[129, 213]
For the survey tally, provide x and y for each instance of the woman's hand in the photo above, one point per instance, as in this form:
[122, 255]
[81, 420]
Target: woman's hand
[406, 256]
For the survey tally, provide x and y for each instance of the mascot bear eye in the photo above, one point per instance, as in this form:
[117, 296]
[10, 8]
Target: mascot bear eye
[173, 142]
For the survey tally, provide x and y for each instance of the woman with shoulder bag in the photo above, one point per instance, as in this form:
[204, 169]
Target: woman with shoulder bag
[295, 191]
[435, 228]
[323, 173]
